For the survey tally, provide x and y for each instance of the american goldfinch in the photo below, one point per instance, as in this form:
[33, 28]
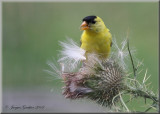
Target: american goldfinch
[96, 37]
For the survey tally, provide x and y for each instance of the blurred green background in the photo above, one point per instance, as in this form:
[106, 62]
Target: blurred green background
[31, 32]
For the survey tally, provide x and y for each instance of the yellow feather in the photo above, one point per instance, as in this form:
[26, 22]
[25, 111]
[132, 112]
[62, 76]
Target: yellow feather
[97, 39]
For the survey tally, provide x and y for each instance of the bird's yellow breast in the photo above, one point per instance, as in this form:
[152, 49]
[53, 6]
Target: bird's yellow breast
[96, 43]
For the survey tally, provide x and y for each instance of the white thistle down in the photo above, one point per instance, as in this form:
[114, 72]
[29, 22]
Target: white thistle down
[121, 52]
[55, 70]
[71, 55]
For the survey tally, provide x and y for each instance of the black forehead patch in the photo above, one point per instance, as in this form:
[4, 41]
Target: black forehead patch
[90, 19]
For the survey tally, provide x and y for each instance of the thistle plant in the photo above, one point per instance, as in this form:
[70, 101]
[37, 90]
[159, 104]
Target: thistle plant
[103, 81]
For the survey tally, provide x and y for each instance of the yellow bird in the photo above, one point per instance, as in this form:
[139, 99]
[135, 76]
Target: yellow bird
[96, 37]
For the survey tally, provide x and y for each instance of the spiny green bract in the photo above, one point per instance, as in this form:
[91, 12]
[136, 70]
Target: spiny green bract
[101, 84]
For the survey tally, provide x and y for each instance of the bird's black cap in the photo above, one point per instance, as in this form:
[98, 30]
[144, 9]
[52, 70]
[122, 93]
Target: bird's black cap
[90, 19]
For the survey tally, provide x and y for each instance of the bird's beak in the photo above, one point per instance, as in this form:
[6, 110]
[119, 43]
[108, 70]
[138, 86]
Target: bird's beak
[84, 26]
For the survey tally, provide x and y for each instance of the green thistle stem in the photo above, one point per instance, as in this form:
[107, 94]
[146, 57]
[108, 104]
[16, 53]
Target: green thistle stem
[140, 93]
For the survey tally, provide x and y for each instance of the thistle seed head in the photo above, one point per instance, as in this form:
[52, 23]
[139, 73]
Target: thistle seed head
[100, 82]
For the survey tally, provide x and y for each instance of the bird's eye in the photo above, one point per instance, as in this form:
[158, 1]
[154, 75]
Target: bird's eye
[93, 22]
